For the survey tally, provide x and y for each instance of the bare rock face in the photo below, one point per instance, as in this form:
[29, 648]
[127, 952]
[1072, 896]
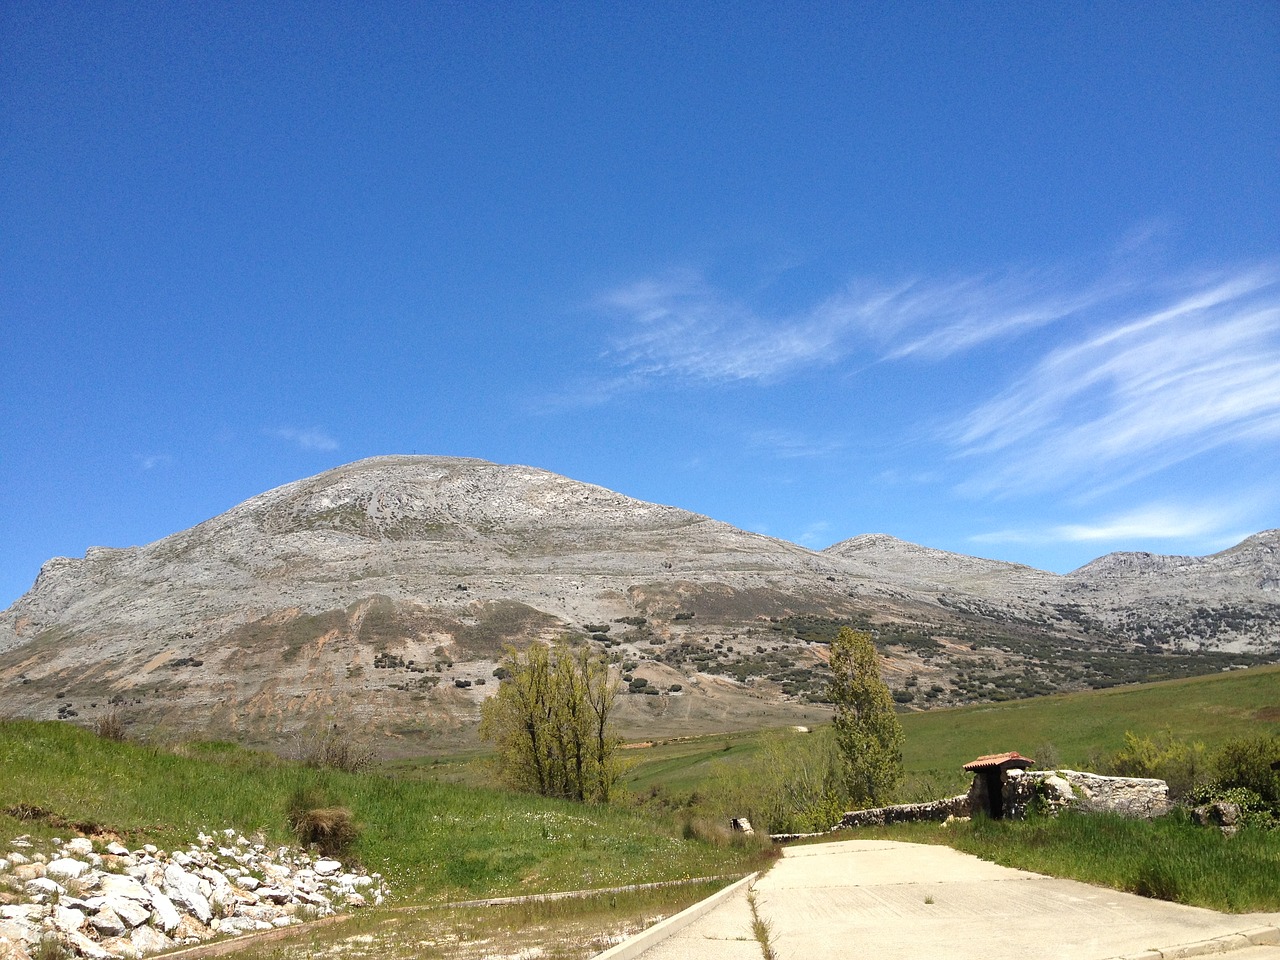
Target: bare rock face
[378, 597]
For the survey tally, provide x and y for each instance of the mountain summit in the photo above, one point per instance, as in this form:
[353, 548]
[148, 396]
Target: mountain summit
[380, 594]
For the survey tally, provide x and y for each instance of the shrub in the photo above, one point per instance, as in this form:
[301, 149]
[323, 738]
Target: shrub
[336, 751]
[1183, 764]
[110, 726]
[332, 830]
[1252, 763]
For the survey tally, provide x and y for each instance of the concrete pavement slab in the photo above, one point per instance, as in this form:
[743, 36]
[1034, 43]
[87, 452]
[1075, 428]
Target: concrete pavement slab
[899, 901]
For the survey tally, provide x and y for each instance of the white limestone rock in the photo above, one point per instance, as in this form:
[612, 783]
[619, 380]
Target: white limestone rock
[150, 940]
[43, 887]
[68, 920]
[133, 912]
[65, 868]
[184, 888]
[122, 885]
[20, 932]
[108, 923]
[165, 913]
[1058, 790]
[86, 947]
[79, 847]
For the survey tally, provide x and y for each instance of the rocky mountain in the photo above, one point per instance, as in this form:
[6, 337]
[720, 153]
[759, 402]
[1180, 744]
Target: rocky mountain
[379, 596]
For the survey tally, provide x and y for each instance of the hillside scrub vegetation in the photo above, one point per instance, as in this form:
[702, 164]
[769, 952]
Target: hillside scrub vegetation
[1244, 771]
[551, 722]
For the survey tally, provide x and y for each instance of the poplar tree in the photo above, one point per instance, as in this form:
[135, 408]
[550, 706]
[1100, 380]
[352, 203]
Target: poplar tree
[868, 733]
[551, 722]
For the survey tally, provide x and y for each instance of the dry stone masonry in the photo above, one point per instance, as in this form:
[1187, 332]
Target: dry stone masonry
[104, 903]
[1089, 792]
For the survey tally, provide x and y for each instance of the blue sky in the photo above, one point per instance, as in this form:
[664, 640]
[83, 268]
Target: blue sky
[997, 278]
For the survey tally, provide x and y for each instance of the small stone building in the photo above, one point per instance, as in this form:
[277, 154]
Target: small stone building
[1003, 789]
[987, 795]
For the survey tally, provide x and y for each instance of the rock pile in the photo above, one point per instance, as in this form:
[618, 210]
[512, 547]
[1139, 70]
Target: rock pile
[105, 903]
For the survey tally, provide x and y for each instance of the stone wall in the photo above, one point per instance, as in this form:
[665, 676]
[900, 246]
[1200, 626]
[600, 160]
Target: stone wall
[935, 811]
[1090, 792]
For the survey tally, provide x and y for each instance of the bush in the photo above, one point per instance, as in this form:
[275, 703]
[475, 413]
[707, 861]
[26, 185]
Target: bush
[335, 751]
[1251, 763]
[330, 829]
[110, 726]
[1183, 764]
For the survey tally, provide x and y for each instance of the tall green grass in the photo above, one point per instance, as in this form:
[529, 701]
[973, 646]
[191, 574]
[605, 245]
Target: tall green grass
[432, 841]
[1169, 859]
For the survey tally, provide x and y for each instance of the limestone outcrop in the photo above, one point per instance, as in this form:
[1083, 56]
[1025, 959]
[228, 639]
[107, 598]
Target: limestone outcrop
[381, 593]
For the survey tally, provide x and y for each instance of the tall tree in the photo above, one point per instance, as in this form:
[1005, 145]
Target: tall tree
[868, 732]
[550, 720]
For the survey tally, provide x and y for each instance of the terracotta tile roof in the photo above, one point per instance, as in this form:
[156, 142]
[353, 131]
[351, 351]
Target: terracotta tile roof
[1013, 759]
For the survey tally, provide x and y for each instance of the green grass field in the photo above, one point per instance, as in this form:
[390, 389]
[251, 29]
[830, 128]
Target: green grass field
[1077, 729]
[432, 841]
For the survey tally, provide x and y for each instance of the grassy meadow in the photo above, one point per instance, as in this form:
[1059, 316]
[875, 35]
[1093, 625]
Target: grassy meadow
[1068, 730]
[441, 831]
[434, 842]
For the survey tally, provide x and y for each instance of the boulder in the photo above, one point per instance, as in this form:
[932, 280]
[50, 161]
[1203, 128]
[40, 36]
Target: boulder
[43, 888]
[23, 912]
[117, 849]
[108, 923]
[184, 888]
[19, 931]
[86, 947]
[120, 947]
[133, 912]
[67, 919]
[150, 940]
[12, 950]
[167, 916]
[326, 868]
[79, 847]
[189, 928]
[121, 885]
[65, 868]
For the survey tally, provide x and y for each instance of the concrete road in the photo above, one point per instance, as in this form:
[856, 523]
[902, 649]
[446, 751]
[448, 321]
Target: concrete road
[884, 900]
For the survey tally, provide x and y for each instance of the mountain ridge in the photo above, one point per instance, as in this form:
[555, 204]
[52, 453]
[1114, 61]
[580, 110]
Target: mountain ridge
[383, 591]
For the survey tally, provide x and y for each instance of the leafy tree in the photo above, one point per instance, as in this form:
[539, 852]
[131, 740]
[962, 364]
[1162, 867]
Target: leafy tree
[793, 783]
[868, 733]
[551, 723]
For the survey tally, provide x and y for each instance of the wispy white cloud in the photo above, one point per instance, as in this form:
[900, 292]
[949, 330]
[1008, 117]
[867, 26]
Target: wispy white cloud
[152, 460]
[308, 439]
[814, 534]
[1154, 389]
[789, 445]
[1161, 521]
[679, 326]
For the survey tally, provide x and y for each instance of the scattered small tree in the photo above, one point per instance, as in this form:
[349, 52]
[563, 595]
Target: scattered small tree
[551, 722]
[868, 733]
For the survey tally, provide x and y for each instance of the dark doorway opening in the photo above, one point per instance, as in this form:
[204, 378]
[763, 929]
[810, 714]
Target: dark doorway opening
[995, 792]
